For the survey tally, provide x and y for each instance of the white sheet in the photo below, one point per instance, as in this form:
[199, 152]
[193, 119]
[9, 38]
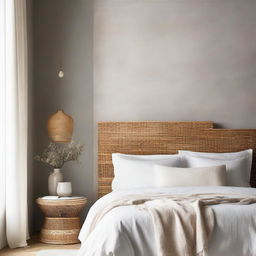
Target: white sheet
[126, 231]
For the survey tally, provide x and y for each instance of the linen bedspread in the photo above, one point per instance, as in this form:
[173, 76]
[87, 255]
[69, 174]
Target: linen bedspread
[180, 225]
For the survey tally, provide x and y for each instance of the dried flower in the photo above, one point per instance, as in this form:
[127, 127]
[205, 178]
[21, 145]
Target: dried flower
[56, 154]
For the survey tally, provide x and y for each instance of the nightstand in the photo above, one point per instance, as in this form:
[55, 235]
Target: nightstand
[62, 219]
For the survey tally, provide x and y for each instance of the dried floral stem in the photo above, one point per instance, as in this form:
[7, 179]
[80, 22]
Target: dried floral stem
[56, 155]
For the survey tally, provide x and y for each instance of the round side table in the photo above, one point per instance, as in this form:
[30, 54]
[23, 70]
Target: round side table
[62, 219]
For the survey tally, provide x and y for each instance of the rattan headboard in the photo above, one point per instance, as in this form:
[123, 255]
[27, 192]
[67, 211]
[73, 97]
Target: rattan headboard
[165, 138]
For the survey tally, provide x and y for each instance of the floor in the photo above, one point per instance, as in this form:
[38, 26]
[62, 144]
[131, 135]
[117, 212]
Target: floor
[33, 247]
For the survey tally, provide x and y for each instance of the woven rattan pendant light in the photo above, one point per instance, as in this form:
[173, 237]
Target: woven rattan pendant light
[60, 127]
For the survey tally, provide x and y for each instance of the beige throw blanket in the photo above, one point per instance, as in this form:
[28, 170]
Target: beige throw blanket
[182, 224]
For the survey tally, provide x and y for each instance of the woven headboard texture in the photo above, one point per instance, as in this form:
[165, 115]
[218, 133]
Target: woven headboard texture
[165, 138]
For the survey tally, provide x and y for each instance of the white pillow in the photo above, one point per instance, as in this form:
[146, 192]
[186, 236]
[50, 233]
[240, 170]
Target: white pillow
[146, 157]
[228, 156]
[137, 171]
[201, 176]
[238, 164]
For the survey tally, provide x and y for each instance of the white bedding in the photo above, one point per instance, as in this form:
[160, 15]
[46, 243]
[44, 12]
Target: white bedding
[127, 231]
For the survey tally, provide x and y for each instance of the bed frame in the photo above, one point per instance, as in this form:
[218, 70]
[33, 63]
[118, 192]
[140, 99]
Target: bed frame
[166, 138]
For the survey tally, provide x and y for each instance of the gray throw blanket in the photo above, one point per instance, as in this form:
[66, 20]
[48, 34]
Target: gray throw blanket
[182, 223]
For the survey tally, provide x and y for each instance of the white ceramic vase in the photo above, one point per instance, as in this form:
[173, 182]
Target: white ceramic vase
[54, 178]
[64, 189]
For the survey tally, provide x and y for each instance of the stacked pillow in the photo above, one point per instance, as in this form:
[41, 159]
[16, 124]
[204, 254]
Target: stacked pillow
[201, 176]
[238, 164]
[187, 168]
[137, 171]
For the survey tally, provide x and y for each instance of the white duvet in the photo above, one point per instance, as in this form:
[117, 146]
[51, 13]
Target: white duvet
[126, 231]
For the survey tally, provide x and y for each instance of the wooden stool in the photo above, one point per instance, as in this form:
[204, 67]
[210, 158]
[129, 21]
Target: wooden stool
[62, 219]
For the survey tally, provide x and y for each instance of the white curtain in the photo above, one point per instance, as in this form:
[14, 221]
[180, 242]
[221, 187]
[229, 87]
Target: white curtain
[13, 123]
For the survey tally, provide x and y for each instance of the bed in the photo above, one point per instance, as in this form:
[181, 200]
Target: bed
[126, 230]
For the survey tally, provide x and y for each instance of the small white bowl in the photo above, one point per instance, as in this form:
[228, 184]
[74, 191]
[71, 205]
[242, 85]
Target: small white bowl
[64, 189]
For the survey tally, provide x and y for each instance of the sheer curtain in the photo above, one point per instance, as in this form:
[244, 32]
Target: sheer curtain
[13, 123]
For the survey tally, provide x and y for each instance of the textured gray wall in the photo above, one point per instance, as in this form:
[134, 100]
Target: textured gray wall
[63, 29]
[30, 111]
[175, 60]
